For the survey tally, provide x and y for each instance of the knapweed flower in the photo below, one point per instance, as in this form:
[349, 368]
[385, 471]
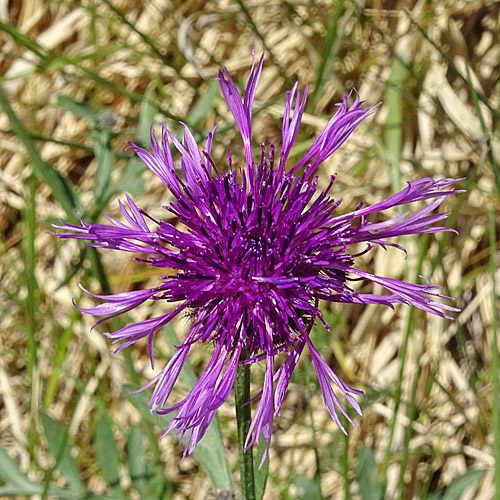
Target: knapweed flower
[257, 249]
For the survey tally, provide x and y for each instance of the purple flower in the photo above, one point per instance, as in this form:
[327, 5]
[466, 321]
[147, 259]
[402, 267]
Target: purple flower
[259, 247]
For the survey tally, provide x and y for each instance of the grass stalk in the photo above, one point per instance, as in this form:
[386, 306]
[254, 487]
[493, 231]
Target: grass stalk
[495, 386]
[412, 411]
[259, 35]
[61, 189]
[29, 259]
[402, 366]
[331, 48]
[345, 468]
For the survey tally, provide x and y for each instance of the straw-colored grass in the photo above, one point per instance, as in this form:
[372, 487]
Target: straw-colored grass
[121, 64]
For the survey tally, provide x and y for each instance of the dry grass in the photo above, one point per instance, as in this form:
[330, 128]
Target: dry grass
[439, 118]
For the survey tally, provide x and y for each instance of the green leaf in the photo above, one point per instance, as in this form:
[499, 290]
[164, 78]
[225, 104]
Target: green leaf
[368, 478]
[394, 123]
[105, 157]
[457, 486]
[261, 474]
[107, 452]
[11, 474]
[101, 137]
[136, 460]
[146, 118]
[23, 40]
[80, 109]
[140, 401]
[203, 106]
[209, 451]
[57, 441]
[331, 47]
[306, 489]
[131, 181]
[9, 491]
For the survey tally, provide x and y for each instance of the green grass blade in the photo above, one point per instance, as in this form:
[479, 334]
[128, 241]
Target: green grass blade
[9, 491]
[259, 35]
[495, 385]
[60, 187]
[314, 443]
[393, 126]
[41, 138]
[63, 341]
[31, 301]
[131, 181]
[58, 61]
[151, 45]
[345, 467]
[487, 136]
[203, 106]
[331, 47]
[209, 452]
[451, 64]
[80, 109]
[146, 118]
[23, 40]
[105, 158]
[412, 411]
[402, 364]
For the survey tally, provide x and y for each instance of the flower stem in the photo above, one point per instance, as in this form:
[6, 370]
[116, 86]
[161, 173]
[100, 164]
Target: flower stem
[243, 418]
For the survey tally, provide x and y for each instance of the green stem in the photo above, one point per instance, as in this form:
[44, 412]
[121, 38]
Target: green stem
[398, 391]
[345, 467]
[495, 386]
[31, 301]
[243, 419]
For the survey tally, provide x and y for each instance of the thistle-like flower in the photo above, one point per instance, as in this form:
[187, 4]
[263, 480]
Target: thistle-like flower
[258, 249]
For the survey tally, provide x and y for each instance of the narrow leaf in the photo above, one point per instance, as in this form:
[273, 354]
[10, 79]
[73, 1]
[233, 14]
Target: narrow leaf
[203, 106]
[61, 189]
[80, 109]
[461, 483]
[393, 125]
[209, 451]
[131, 181]
[11, 474]
[107, 452]
[57, 442]
[146, 118]
[105, 157]
[261, 475]
[136, 460]
[306, 488]
[369, 484]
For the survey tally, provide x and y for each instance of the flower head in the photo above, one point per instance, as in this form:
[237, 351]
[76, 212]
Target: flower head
[260, 248]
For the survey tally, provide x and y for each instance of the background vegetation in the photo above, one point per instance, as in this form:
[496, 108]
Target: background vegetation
[79, 79]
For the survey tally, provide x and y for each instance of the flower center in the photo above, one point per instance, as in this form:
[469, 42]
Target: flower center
[256, 246]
